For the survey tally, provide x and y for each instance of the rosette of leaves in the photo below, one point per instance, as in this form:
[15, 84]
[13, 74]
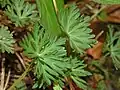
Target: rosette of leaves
[77, 71]
[107, 1]
[75, 28]
[6, 40]
[21, 13]
[112, 46]
[48, 56]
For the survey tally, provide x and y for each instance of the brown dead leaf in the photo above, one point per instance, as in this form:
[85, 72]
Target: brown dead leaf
[96, 51]
[113, 12]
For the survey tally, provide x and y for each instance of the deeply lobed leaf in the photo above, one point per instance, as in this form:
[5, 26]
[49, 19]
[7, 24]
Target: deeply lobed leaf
[77, 71]
[6, 40]
[75, 28]
[112, 46]
[21, 13]
[48, 55]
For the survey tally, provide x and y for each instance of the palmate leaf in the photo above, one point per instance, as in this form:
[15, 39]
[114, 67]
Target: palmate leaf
[48, 55]
[107, 1]
[112, 46]
[75, 28]
[21, 13]
[77, 71]
[6, 40]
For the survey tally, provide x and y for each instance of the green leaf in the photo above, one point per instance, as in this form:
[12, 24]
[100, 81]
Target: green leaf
[21, 86]
[77, 71]
[21, 13]
[57, 87]
[112, 46]
[107, 1]
[80, 83]
[102, 85]
[103, 15]
[48, 55]
[6, 40]
[75, 28]
[48, 16]
[60, 5]
[3, 3]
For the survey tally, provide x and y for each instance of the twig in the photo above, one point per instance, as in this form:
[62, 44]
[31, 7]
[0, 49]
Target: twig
[2, 74]
[94, 15]
[99, 34]
[7, 80]
[89, 7]
[21, 60]
[20, 78]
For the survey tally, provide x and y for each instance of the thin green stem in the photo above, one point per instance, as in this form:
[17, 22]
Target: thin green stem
[20, 78]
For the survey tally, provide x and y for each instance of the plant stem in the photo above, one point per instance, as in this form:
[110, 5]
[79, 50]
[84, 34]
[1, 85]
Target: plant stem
[55, 5]
[68, 48]
[20, 78]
